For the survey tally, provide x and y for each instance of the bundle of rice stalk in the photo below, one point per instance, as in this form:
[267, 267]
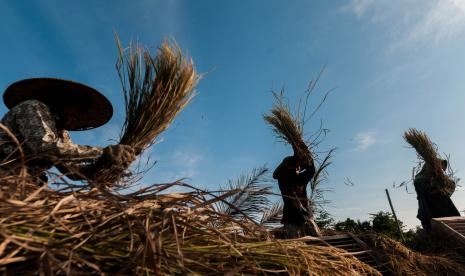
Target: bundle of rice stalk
[83, 232]
[403, 261]
[155, 90]
[422, 144]
[426, 150]
[288, 128]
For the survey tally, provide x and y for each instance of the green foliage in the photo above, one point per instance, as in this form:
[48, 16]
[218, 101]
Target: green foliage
[350, 225]
[323, 219]
[381, 222]
[416, 238]
[384, 223]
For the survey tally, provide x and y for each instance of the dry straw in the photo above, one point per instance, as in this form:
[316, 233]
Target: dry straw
[288, 128]
[82, 232]
[155, 90]
[427, 152]
[403, 261]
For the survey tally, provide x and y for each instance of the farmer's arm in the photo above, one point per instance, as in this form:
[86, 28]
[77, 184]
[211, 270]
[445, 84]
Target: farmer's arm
[76, 168]
[35, 125]
[308, 172]
[113, 162]
[285, 170]
[113, 159]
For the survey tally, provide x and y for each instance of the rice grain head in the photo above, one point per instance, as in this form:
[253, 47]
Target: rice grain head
[155, 90]
[288, 128]
[427, 152]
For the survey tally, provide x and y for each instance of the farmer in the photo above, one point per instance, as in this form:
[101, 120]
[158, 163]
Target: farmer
[432, 204]
[293, 176]
[42, 110]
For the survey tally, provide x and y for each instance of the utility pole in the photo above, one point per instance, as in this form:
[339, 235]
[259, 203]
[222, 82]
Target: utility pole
[395, 216]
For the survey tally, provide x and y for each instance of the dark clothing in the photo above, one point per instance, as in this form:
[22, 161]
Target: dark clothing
[431, 204]
[293, 187]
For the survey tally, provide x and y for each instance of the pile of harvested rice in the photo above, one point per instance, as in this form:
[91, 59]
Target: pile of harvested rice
[403, 261]
[427, 152]
[72, 231]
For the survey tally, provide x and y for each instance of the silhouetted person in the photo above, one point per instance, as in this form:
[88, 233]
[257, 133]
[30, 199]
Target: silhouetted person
[42, 110]
[432, 203]
[293, 176]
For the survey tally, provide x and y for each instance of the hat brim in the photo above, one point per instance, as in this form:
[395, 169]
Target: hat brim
[81, 105]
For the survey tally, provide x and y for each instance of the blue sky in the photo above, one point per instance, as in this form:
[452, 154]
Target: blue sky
[394, 65]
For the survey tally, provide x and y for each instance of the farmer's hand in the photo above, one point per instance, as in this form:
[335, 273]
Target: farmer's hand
[118, 155]
[112, 164]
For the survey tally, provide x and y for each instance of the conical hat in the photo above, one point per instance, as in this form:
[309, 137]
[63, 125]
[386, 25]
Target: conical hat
[84, 106]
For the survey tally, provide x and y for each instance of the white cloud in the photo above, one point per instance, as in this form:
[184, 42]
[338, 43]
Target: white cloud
[410, 24]
[445, 19]
[358, 7]
[365, 140]
[187, 162]
[170, 166]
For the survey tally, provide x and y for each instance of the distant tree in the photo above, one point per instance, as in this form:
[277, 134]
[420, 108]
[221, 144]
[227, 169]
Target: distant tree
[417, 238]
[384, 223]
[323, 219]
[350, 225]
[347, 225]
[364, 225]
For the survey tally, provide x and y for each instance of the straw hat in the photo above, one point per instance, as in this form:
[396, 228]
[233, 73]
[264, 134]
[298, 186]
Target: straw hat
[80, 106]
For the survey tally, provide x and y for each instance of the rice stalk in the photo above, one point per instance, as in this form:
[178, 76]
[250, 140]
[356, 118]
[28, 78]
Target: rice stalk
[422, 144]
[83, 232]
[403, 261]
[156, 88]
[316, 196]
[288, 128]
[427, 152]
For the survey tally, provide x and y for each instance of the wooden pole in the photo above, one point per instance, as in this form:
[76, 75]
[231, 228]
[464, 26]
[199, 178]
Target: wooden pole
[395, 216]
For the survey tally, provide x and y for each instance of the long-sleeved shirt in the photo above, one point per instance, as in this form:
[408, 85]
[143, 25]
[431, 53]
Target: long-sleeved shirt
[431, 204]
[293, 187]
[34, 125]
